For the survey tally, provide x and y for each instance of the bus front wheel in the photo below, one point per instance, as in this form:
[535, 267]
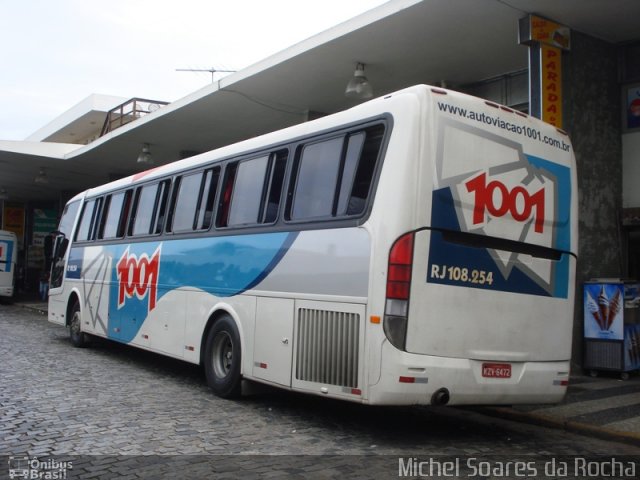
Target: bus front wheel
[78, 339]
[223, 357]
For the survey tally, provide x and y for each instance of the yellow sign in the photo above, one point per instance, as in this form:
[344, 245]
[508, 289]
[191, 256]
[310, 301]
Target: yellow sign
[549, 33]
[551, 84]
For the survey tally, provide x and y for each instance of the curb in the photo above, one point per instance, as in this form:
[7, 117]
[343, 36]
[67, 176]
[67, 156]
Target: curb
[559, 423]
[43, 310]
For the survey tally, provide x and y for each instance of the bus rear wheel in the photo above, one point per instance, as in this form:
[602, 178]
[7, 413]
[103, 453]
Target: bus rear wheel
[78, 338]
[223, 358]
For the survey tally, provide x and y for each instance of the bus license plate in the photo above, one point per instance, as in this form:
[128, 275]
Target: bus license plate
[496, 370]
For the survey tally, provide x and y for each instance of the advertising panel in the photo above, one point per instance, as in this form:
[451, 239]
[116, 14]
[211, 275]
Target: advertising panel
[604, 311]
[632, 346]
[499, 192]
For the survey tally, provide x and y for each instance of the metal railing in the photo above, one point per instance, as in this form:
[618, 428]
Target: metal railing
[128, 112]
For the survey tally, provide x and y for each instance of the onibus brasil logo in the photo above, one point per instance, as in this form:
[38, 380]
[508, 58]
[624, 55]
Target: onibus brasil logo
[32, 468]
[138, 277]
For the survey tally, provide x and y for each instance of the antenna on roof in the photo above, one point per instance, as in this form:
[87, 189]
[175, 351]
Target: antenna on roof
[211, 70]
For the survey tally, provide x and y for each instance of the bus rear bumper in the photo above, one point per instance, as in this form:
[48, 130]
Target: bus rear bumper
[6, 291]
[412, 379]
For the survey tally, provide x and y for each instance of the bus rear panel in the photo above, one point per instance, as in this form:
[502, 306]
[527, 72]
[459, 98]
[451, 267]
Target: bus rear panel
[480, 286]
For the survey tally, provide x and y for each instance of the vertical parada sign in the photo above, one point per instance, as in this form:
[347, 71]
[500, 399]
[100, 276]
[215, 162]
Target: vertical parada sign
[551, 84]
[552, 39]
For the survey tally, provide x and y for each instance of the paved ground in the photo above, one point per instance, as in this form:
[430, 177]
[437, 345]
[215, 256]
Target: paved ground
[605, 406]
[118, 412]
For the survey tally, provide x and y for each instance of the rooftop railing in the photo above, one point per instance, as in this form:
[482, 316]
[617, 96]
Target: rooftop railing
[128, 112]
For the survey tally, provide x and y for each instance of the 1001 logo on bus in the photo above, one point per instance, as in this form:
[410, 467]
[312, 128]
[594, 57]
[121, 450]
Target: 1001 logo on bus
[496, 199]
[138, 276]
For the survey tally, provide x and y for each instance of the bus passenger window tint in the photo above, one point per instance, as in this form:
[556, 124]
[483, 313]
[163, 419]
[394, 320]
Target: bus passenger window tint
[346, 201]
[205, 211]
[317, 179]
[247, 192]
[366, 168]
[144, 210]
[111, 223]
[279, 166]
[88, 217]
[187, 203]
[225, 197]
[125, 213]
[160, 211]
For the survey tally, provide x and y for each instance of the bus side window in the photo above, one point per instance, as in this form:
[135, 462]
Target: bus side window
[208, 198]
[317, 169]
[189, 193]
[160, 211]
[352, 155]
[149, 209]
[89, 220]
[111, 225]
[126, 209]
[222, 219]
[332, 178]
[246, 199]
[367, 144]
[278, 167]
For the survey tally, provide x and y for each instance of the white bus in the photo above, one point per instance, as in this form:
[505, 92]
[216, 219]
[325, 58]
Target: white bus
[8, 259]
[416, 249]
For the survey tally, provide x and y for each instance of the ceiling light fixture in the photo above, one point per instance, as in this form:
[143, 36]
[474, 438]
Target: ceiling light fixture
[359, 86]
[41, 178]
[145, 155]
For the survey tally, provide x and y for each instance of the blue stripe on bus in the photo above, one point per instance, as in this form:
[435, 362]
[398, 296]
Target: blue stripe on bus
[221, 266]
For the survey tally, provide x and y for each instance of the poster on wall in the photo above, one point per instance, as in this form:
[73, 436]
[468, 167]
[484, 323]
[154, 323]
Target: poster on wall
[44, 222]
[604, 310]
[631, 107]
[13, 220]
[632, 346]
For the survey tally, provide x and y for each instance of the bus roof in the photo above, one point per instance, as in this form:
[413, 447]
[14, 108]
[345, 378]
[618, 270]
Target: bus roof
[368, 109]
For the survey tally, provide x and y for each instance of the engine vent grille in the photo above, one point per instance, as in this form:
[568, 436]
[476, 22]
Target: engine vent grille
[328, 347]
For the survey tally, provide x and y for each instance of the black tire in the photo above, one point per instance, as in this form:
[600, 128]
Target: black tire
[78, 339]
[223, 357]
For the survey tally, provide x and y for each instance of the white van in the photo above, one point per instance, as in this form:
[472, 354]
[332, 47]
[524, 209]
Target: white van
[8, 256]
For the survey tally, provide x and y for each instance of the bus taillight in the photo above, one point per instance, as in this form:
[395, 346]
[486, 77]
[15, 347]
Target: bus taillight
[398, 290]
